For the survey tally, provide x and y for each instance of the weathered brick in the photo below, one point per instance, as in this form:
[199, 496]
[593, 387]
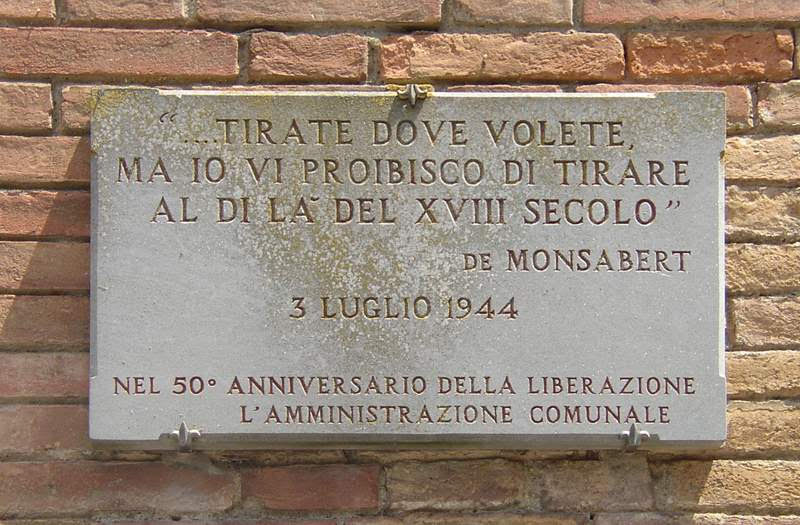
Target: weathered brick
[500, 88]
[765, 323]
[762, 269]
[312, 488]
[44, 323]
[494, 518]
[555, 57]
[44, 375]
[25, 107]
[46, 489]
[44, 213]
[38, 11]
[764, 214]
[40, 266]
[513, 12]
[619, 482]
[31, 429]
[774, 160]
[44, 161]
[119, 53]
[739, 102]
[369, 13]
[719, 56]
[277, 57]
[778, 105]
[613, 12]
[100, 11]
[730, 486]
[652, 518]
[455, 485]
[763, 374]
[77, 104]
[766, 429]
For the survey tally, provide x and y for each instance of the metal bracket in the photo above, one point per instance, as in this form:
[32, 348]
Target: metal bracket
[412, 93]
[633, 437]
[185, 437]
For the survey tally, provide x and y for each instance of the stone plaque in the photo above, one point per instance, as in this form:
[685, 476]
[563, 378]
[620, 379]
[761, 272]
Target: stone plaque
[276, 269]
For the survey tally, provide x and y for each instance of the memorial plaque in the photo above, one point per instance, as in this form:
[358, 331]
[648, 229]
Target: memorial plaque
[279, 269]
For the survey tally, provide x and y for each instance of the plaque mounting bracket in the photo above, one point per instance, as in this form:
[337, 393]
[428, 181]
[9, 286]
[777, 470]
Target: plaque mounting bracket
[413, 92]
[633, 437]
[185, 437]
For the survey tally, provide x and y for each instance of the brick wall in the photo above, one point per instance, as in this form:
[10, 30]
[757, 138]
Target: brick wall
[53, 51]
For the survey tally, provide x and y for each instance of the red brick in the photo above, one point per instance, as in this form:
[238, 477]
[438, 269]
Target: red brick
[312, 488]
[611, 12]
[759, 269]
[44, 375]
[44, 266]
[369, 13]
[761, 375]
[44, 213]
[513, 12]
[455, 485]
[766, 323]
[276, 57]
[30, 429]
[508, 88]
[738, 100]
[555, 57]
[732, 486]
[99, 11]
[25, 107]
[46, 489]
[119, 53]
[44, 161]
[44, 323]
[28, 10]
[714, 56]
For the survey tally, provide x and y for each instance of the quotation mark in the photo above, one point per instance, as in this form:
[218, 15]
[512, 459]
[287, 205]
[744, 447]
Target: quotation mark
[673, 204]
[167, 115]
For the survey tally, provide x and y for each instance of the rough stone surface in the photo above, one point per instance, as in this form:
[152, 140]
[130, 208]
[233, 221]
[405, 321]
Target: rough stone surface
[146, 11]
[763, 214]
[312, 488]
[617, 483]
[44, 375]
[44, 323]
[44, 266]
[758, 375]
[704, 57]
[44, 161]
[739, 102]
[760, 486]
[772, 160]
[778, 105]
[767, 323]
[422, 14]
[513, 12]
[25, 107]
[762, 269]
[127, 53]
[612, 12]
[47, 489]
[44, 213]
[499, 57]
[276, 57]
[481, 484]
